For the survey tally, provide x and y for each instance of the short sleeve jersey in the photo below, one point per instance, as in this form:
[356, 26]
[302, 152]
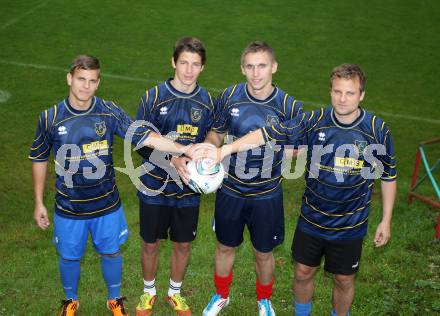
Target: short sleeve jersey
[82, 145]
[342, 163]
[255, 173]
[183, 117]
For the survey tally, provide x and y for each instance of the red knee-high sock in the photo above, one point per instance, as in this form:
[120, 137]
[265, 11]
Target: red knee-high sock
[264, 291]
[222, 284]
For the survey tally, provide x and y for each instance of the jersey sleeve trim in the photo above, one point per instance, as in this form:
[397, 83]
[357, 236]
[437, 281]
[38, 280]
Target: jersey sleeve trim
[321, 115]
[284, 103]
[156, 93]
[55, 112]
[292, 113]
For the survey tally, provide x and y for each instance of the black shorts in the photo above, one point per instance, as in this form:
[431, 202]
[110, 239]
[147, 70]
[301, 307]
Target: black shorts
[157, 220]
[263, 217]
[341, 256]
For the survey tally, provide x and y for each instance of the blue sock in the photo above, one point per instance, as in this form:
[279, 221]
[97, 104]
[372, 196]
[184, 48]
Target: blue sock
[334, 313]
[112, 272]
[70, 270]
[303, 309]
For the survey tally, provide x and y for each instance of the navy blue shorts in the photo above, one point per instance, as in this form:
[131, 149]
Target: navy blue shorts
[263, 217]
[156, 221]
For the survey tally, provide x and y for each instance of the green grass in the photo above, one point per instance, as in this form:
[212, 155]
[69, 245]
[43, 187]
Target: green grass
[396, 43]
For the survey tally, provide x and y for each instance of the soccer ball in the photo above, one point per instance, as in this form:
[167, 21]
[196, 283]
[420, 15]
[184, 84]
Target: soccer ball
[203, 179]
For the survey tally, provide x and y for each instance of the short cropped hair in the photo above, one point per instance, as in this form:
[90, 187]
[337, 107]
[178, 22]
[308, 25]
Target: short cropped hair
[258, 46]
[86, 62]
[349, 71]
[189, 44]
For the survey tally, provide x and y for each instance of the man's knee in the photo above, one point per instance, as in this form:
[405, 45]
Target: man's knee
[182, 247]
[263, 256]
[150, 248]
[344, 282]
[225, 250]
[303, 272]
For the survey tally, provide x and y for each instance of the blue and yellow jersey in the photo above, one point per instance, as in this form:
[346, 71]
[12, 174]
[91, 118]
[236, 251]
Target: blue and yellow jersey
[82, 145]
[255, 173]
[341, 167]
[185, 118]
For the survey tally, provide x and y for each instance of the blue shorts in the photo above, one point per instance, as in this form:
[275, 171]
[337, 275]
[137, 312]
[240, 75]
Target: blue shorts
[108, 233]
[263, 217]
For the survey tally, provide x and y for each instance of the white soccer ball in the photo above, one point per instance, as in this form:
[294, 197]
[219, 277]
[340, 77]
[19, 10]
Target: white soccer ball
[203, 179]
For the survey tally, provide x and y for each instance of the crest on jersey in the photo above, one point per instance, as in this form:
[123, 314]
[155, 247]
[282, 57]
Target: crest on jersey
[196, 114]
[100, 128]
[360, 145]
[271, 120]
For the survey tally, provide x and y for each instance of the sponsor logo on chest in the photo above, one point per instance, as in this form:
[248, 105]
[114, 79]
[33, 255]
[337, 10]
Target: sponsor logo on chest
[348, 162]
[187, 129]
[95, 146]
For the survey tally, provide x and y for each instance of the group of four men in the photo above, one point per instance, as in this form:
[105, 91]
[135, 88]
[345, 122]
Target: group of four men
[79, 131]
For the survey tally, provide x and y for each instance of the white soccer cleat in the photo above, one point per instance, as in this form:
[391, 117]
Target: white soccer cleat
[265, 308]
[215, 305]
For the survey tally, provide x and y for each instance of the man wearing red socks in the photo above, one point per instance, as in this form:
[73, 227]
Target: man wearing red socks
[251, 194]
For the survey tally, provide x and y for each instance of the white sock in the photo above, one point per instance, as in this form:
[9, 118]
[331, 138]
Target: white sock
[174, 288]
[150, 287]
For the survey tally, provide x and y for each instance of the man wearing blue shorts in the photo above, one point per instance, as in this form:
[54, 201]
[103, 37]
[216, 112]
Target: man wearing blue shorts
[79, 131]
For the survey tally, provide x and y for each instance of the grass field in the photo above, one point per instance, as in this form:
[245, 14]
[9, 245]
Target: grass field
[395, 42]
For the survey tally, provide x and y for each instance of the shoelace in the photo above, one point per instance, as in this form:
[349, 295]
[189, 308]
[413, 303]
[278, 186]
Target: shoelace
[145, 299]
[65, 304]
[212, 301]
[266, 305]
[120, 303]
[181, 301]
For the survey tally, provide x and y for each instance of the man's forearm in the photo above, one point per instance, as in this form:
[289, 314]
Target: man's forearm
[388, 197]
[161, 143]
[249, 141]
[39, 170]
